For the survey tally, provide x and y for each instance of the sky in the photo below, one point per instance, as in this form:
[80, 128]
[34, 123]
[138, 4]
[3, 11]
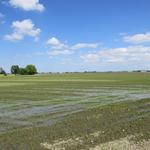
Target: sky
[75, 35]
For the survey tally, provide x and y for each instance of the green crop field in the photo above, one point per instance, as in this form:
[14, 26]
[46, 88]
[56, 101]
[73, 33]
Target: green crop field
[75, 111]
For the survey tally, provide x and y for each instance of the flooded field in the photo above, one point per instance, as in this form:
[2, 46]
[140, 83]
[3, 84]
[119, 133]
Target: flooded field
[43, 101]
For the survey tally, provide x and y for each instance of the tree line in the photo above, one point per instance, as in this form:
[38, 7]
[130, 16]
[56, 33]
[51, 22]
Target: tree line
[16, 70]
[2, 71]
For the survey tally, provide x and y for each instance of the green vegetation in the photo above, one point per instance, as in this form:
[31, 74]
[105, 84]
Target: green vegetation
[15, 69]
[28, 70]
[2, 71]
[22, 71]
[73, 111]
[31, 69]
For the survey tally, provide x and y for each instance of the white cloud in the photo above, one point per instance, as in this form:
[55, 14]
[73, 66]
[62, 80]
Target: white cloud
[27, 5]
[22, 29]
[14, 37]
[84, 45]
[91, 57]
[56, 44]
[53, 41]
[58, 52]
[60, 48]
[137, 38]
[126, 55]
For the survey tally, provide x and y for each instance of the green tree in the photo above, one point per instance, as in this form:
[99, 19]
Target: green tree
[2, 71]
[31, 69]
[15, 69]
[23, 71]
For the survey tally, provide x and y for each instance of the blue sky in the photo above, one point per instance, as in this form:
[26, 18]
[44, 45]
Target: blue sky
[75, 35]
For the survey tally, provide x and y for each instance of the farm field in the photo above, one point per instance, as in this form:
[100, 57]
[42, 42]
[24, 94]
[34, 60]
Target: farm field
[74, 111]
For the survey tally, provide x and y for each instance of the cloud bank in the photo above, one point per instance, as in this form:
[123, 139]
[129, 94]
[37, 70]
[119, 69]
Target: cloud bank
[137, 38]
[22, 29]
[137, 54]
[59, 48]
[27, 5]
